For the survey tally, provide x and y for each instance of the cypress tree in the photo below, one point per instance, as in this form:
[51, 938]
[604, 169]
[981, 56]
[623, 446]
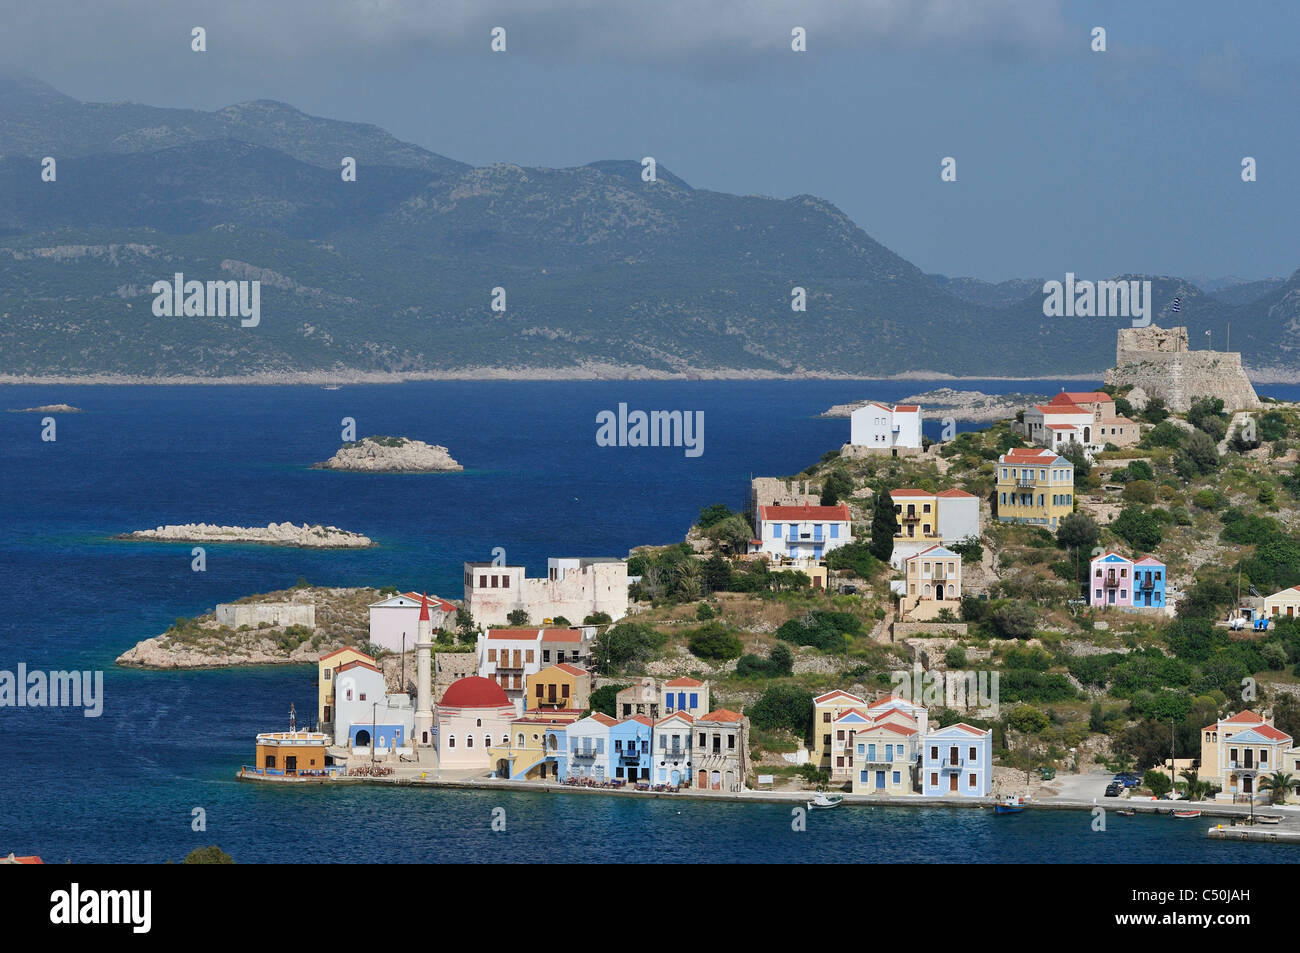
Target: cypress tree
[884, 524]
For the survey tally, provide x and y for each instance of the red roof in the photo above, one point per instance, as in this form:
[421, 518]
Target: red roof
[1061, 427]
[603, 719]
[1061, 409]
[1268, 731]
[676, 715]
[683, 682]
[570, 669]
[561, 635]
[722, 714]
[356, 663]
[435, 601]
[1082, 396]
[805, 512]
[840, 692]
[907, 408]
[908, 491]
[475, 692]
[956, 492]
[346, 648]
[641, 720]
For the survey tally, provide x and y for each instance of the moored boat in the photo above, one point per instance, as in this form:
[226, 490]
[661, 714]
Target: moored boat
[822, 801]
[1187, 813]
[1011, 804]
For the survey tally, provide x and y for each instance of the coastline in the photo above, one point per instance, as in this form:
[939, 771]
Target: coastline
[1207, 808]
[550, 374]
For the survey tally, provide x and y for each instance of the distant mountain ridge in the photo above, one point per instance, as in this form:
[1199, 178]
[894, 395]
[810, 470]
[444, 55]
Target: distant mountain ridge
[395, 273]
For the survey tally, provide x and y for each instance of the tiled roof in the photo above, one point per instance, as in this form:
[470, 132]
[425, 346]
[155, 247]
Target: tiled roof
[342, 650]
[954, 492]
[722, 714]
[683, 682]
[805, 512]
[570, 669]
[356, 663]
[822, 699]
[677, 715]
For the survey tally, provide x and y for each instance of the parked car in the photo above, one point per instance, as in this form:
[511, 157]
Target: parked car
[1113, 789]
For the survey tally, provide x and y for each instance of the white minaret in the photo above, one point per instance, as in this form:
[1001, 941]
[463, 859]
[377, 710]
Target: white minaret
[424, 676]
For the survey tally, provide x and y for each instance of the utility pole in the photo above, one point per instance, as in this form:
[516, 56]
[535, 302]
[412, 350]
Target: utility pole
[1172, 785]
[374, 726]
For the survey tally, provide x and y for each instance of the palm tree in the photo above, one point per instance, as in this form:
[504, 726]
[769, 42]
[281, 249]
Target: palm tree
[1278, 783]
[690, 581]
[1195, 786]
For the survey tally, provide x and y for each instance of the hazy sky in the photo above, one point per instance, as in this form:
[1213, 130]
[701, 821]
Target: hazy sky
[1067, 159]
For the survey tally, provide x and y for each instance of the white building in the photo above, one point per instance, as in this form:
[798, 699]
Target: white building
[573, 589]
[398, 616]
[925, 518]
[798, 532]
[589, 747]
[957, 761]
[365, 714]
[509, 656]
[884, 427]
[671, 754]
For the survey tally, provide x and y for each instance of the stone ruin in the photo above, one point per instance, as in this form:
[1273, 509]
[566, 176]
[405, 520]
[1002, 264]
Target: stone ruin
[1157, 362]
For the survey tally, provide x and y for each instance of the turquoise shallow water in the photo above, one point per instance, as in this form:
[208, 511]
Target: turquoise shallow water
[122, 787]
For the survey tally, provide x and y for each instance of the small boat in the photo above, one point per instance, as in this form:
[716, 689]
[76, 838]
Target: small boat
[1187, 813]
[822, 801]
[1268, 819]
[1126, 813]
[1010, 805]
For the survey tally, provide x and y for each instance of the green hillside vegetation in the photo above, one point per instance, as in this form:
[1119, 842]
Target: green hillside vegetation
[1110, 685]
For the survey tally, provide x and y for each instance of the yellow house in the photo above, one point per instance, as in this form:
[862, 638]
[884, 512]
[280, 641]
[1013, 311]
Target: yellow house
[561, 686]
[535, 748]
[826, 710]
[931, 582]
[1283, 604]
[918, 514]
[327, 667]
[886, 755]
[1034, 486]
[1237, 751]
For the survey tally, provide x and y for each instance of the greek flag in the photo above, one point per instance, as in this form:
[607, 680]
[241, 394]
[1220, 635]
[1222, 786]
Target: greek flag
[1178, 304]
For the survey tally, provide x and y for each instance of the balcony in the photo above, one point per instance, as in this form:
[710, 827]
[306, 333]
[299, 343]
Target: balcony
[950, 765]
[583, 753]
[675, 753]
[1112, 581]
[629, 755]
[940, 576]
[1147, 583]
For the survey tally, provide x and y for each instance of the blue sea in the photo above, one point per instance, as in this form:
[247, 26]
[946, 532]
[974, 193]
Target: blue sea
[124, 786]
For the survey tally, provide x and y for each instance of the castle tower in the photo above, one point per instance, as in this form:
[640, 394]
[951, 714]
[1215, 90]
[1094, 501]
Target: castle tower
[424, 676]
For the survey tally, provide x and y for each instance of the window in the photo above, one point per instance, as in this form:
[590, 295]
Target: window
[546, 655]
[482, 582]
[327, 674]
[839, 735]
[469, 741]
[776, 530]
[971, 755]
[451, 741]
[478, 723]
[826, 716]
[505, 582]
[494, 582]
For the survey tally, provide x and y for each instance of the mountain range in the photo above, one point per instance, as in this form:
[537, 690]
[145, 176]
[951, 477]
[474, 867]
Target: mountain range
[604, 274]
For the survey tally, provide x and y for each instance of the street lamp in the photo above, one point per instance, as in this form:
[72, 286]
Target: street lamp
[374, 727]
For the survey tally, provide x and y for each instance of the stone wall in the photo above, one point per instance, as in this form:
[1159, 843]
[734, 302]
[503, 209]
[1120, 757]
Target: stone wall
[906, 630]
[774, 491]
[1157, 361]
[252, 614]
[450, 667]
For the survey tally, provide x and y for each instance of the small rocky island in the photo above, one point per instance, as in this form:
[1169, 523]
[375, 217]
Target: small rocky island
[391, 455]
[290, 627]
[972, 405]
[274, 534]
[47, 409]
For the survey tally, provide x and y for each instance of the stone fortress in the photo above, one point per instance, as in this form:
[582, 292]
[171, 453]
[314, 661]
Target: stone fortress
[1156, 362]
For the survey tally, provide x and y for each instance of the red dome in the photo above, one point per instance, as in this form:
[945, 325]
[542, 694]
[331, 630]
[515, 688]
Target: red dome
[475, 692]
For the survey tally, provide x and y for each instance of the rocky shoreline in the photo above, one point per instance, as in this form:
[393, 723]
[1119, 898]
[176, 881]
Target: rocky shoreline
[391, 455]
[273, 534]
[971, 405]
[342, 618]
[47, 409]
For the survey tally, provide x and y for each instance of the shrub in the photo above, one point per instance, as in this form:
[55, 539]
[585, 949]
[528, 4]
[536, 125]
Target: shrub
[783, 706]
[1140, 491]
[1138, 527]
[715, 641]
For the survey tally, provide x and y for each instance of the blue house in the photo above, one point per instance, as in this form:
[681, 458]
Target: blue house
[630, 755]
[1149, 576]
